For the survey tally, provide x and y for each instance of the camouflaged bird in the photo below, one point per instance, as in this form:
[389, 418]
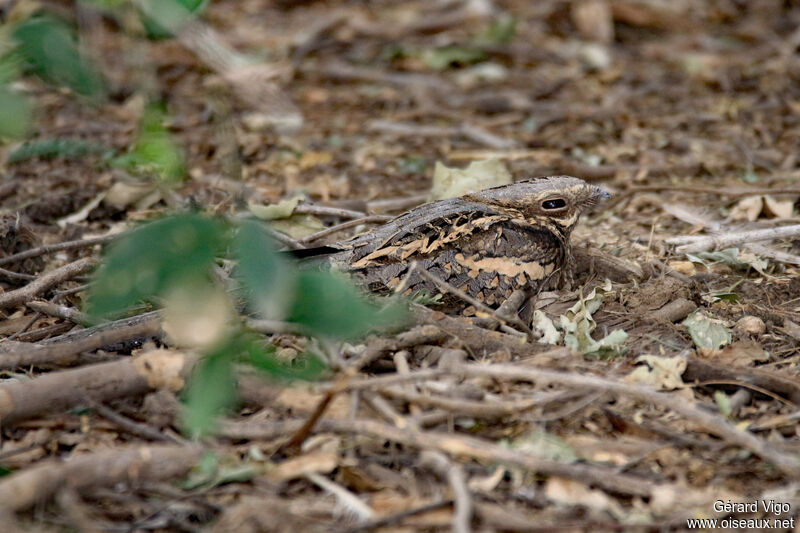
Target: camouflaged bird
[487, 243]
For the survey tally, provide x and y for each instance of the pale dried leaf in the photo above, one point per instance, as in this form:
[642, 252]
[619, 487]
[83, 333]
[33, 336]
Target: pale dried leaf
[453, 182]
[663, 373]
[309, 463]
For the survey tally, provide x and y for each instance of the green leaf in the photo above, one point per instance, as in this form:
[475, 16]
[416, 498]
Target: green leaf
[266, 277]
[151, 259]
[212, 390]
[49, 47]
[155, 151]
[162, 18]
[730, 297]
[15, 114]
[329, 305]
[707, 332]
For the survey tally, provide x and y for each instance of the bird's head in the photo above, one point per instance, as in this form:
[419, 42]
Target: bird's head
[556, 199]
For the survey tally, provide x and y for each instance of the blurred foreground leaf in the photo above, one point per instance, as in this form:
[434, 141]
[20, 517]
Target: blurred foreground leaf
[50, 49]
[306, 367]
[15, 114]
[162, 18]
[155, 151]
[212, 390]
[153, 258]
[267, 279]
[172, 259]
[329, 305]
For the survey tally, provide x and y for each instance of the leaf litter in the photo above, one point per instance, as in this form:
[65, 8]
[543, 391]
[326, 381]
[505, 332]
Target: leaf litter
[663, 103]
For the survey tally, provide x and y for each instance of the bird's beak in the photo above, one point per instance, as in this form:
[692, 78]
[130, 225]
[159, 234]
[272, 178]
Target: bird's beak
[601, 194]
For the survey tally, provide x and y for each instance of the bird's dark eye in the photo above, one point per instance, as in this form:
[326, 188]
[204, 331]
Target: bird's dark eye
[555, 203]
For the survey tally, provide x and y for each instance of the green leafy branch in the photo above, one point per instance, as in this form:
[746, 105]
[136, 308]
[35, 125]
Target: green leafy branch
[172, 262]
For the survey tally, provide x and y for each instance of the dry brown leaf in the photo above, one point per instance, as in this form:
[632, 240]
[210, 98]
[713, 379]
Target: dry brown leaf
[163, 368]
[310, 463]
[748, 208]
[778, 208]
[123, 194]
[593, 20]
[302, 399]
[739, 354]
[792, 329]
[570, 492]
[314, 159]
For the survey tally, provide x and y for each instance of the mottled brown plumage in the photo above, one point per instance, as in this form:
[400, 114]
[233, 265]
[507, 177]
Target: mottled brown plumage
[487, 243]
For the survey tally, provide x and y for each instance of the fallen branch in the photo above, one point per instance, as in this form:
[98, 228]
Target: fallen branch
[129, 465]
[60, 311]
[57, 391]
[691, 244]
[65, 349]
[50, 248]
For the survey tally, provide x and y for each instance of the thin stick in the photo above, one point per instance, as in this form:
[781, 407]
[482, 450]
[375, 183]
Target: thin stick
[396, 204]
[61, 311]
[134, 428]
[715, 424]
[10, 274]
[446, 287]
[284, 239]
[720, 191]
[50, 248]
[323, 210]
[66, 348]
[369, 219]
[454, 474]
[47, 281]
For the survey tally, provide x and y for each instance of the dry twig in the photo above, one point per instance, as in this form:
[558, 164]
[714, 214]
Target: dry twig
[46, 282]
[63, 350]
[691, 244]
[56, 391]
[50, 248]
[454, 474]
[715, 424]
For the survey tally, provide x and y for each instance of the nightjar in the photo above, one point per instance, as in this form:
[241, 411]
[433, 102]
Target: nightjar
[488, 243]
